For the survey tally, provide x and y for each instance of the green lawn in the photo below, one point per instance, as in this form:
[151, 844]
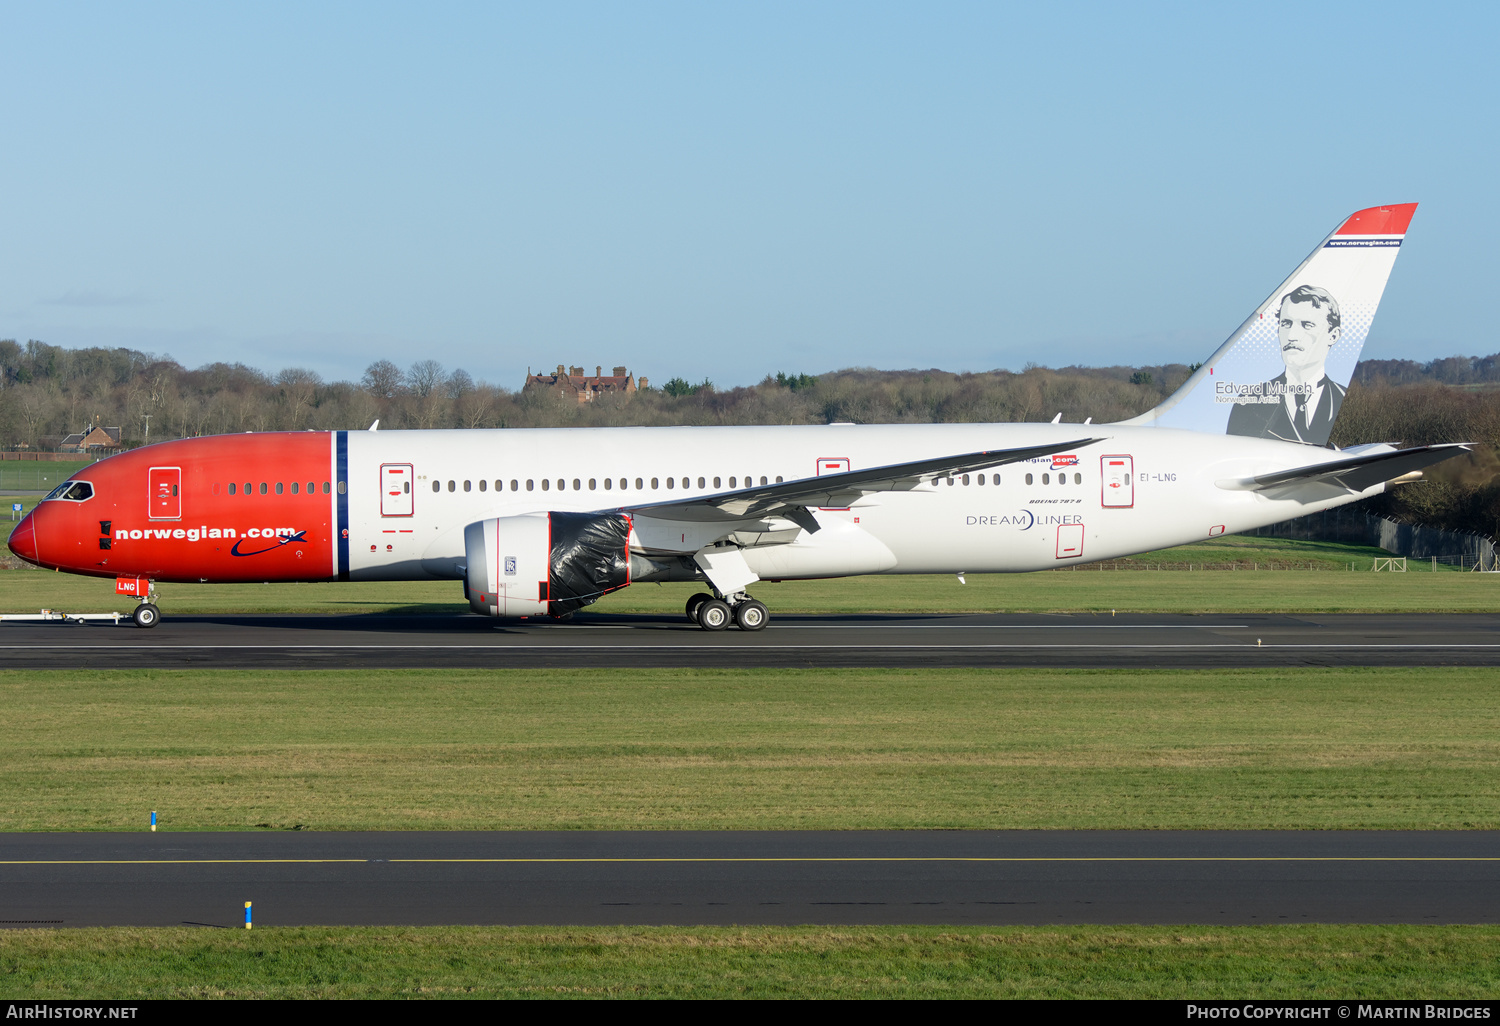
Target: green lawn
[1365, 962]
[721, 749]
[37, 475]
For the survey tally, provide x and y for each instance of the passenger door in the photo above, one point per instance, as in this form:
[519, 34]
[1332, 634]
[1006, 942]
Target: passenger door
[1118, 481]
[397, 496]
[165, 485]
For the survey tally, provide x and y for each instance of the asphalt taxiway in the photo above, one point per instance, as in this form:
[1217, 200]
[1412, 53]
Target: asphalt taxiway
[602, 641]
[683, 878]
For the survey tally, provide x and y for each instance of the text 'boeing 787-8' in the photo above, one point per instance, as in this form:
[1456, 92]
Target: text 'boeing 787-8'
[544, 522]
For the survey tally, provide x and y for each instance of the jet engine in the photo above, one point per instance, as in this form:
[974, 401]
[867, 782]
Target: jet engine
[545, 563]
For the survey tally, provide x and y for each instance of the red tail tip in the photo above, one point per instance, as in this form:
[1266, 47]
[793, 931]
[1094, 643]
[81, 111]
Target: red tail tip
[1388, 220]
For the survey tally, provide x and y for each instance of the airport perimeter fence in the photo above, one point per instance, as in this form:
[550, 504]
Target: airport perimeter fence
[1430, 545]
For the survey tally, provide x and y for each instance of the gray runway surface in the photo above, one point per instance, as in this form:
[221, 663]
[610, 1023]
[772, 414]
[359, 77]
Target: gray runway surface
[771, 878]
[1035, 640]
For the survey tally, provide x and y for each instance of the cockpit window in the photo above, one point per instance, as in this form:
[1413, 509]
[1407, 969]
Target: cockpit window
[75, 491]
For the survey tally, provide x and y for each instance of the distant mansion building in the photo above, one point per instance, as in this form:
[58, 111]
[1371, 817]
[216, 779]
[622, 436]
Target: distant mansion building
[95, 439]
[578, 387]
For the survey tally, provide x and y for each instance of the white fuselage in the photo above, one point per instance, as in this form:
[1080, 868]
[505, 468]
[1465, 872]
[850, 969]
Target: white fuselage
[1139, 489]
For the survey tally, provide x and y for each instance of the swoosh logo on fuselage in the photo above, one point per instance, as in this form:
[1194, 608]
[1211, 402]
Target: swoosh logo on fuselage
[280, 541]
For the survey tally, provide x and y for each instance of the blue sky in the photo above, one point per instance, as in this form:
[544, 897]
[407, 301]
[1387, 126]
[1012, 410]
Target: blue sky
[724, 191]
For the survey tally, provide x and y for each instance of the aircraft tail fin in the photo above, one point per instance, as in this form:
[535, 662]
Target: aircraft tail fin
[1284, 372]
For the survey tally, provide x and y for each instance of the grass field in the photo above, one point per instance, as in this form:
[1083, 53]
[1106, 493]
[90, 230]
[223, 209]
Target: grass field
[1368, 962]
[37, 475]
[790, 749]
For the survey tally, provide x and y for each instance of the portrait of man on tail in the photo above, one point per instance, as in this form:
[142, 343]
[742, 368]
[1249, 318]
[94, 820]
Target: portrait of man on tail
[1300, 404]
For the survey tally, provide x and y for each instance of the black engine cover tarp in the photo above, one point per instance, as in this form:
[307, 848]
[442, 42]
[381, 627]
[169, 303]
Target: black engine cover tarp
[590, 557]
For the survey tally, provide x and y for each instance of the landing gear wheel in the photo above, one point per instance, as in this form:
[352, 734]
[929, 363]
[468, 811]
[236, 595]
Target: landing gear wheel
[146, 615]
[714, 615]
[695, 602]
[751, 615]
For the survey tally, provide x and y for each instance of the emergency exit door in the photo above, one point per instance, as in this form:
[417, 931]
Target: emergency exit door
[833, 465]
[397, 496]
[1118, 481]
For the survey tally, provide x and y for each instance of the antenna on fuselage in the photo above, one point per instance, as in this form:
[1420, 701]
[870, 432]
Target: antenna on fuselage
[376, 424]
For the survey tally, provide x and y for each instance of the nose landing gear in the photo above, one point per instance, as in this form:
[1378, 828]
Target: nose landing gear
[716, 614]
[144, 592]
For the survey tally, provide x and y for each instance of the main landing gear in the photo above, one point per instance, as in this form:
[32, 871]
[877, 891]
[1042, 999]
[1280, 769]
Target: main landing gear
[715, 614]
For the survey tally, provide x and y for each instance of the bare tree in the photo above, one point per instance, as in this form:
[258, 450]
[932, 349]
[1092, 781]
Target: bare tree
[382, 380]
[300, 387]
[424, 376]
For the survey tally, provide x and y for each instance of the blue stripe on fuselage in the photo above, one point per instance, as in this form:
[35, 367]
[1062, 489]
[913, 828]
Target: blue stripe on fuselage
[342, 479]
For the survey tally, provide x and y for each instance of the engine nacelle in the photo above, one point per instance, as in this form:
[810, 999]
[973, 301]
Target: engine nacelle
[545, 563]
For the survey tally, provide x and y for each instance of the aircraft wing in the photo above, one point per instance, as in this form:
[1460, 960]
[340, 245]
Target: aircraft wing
[791, 499]
[1355, 473]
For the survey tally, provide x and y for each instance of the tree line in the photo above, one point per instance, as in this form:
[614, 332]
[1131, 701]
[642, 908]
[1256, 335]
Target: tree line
[47, 392]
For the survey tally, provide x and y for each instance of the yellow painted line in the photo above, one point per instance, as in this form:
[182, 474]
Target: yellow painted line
[761, 859]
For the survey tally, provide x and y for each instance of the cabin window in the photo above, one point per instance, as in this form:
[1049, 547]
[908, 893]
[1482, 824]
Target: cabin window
[312, 486]
[966, 479]
[1078, 479]
[546, 484]
[979, 479]
[231, 488]
[343, 487]
[406, 487]
[1062, 479]
[484, 486]
[1028, 479]
[468, 486]
[778, 479]
[996, 479]
[325, 487]
[702, 483]
[1046, 479]
[528, 484]
[731, 481]
[294, 487]
[669, 482]
[653, 482]
[515, 485]
[262, 488]
[453, 486]
[576, 485]
[762, 479]
[609, 483]
[562, 484]
[641, 485]
[437, 486]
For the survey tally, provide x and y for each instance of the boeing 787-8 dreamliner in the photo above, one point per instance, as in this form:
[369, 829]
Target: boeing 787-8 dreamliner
[544, 522]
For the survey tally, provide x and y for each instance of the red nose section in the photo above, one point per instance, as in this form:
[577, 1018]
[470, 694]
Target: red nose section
[23, 539]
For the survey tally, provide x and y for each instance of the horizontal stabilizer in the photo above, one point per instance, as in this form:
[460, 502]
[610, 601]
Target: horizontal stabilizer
[1355, 473]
